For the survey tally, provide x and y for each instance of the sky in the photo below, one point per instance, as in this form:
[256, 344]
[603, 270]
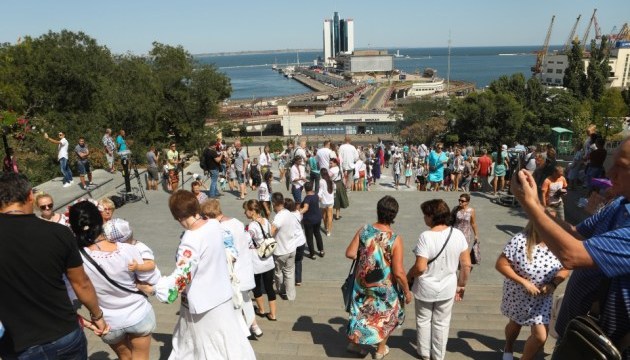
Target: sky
[248, 25]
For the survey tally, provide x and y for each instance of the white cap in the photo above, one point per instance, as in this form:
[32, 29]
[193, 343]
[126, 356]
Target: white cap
[117, 230]
[503, 147]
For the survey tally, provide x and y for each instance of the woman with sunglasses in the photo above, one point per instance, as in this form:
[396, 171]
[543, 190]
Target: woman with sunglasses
[464, 218]
[46, 206]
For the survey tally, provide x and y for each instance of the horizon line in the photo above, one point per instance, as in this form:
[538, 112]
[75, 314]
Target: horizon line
[280, 51]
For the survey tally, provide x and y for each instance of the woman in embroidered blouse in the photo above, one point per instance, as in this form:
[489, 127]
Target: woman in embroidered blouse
[207, 327]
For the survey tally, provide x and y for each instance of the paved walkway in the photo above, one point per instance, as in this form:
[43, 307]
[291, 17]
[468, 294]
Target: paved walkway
[313, 325]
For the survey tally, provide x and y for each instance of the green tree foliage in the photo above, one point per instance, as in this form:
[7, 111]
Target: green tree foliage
[427, 131]
[488, 118]
[514, 85]
[66, 81]
[610, 111]
[275, 145]
[598, 69]
[574, 75]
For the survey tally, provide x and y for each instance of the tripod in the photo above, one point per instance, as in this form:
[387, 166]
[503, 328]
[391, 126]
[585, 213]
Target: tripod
[138, 193]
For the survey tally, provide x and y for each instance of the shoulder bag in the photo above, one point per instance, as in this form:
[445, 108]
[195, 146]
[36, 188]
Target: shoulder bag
[348, 285]
[266, 247]
[436, 256]
[585, 340]
[104, 274]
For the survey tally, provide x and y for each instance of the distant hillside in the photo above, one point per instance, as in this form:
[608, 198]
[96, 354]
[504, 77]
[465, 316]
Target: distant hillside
[254, 52]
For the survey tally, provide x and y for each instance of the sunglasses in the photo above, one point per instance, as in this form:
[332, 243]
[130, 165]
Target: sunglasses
[46, 206]
[462, 201]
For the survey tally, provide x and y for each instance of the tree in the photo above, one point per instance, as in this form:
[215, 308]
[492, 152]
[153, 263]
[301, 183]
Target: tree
[423, 110]
[514, 85]
[488, 118]
[574, 75]
[610, 112]
[598, 69]
[427, 131]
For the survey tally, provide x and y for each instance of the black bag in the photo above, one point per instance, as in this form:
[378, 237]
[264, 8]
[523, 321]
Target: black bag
[348, 286]
[117, 200]
[584, 339]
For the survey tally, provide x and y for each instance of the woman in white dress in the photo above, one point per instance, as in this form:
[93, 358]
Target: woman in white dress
[532, 273]
[208, 327]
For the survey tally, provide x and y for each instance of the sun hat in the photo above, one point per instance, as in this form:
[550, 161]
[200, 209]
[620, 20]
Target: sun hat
[117, 230]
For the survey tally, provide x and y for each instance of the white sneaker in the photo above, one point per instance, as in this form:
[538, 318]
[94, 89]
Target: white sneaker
[255, 329]
[67, 185]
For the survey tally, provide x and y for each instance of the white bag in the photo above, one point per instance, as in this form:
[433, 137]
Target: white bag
[237, 296]
[266, 247]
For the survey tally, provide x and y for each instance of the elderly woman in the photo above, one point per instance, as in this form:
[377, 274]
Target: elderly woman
[126, 310]
[436, 161]
[439, 252]
[532, 273]
[376, 310]
[208, 327]
[107, 207]
[45, 204]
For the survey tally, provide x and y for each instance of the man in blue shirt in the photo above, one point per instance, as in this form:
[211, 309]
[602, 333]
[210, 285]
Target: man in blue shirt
[121, 143]
[597, 248]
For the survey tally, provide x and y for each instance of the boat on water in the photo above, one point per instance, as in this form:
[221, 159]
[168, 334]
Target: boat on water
[398, 55]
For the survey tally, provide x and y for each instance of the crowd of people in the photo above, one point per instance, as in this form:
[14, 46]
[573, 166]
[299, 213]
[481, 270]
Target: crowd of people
[92, 258]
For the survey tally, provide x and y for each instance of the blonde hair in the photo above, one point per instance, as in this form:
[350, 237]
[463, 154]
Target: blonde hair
[107, 202]
[532, 237]
[42, 195]
[211, 208]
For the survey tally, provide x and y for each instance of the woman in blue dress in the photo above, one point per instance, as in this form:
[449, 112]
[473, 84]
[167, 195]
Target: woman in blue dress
[501, 166]
[436, 160]
[375, 309]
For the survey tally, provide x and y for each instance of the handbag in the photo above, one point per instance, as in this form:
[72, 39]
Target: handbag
[104, 274]
[237, 295]
[585, 340]
[348, 286]
[266, 247]
[475, 253]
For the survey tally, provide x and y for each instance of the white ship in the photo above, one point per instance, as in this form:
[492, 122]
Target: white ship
[420, 89]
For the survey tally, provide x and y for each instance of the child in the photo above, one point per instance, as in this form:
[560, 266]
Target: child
[118, 230]
[408, 172]
[195, 187]
[254, 174]
[397, 170]
[264, 194]
[421, 177]
[232, 174]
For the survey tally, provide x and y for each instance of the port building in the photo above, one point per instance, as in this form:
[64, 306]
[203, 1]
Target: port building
[322, 123]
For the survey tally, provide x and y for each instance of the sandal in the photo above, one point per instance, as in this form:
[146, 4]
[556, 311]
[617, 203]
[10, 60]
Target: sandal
[270, 318]
[356, 349]
[261, 314]
[378, 355]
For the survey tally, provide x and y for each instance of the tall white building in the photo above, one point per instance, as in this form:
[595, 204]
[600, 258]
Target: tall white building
[338, 38]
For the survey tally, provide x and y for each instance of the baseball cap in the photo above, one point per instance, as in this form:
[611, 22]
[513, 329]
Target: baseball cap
[117, 230]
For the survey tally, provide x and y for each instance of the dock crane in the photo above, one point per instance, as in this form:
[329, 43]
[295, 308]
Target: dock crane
[592, 22]
[567, 45]
[540, 55]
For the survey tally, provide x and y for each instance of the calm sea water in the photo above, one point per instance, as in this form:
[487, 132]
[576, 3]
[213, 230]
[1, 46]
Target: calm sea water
[252, 77]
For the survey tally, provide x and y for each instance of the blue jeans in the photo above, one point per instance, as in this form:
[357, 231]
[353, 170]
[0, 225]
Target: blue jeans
[297, 194]
[214, 177]
[315, 180]
[69, 347]
[65, 170]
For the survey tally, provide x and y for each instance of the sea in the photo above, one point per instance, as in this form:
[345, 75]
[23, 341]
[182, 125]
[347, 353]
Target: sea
[252, 77]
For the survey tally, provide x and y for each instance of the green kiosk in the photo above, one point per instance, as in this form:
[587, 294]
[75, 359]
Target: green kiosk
[561, 139]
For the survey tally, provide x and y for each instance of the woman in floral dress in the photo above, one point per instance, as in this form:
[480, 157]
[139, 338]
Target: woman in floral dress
[376, 310]
[465, 219]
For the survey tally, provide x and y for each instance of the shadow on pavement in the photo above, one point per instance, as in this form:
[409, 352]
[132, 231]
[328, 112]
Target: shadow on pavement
[494, 345]
[100, 355]
[333, 340]
[167, 344]
[510, 229]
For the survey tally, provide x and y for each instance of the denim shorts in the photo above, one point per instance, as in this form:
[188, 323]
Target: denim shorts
[84, 167]
[240, 177]
[143, 328]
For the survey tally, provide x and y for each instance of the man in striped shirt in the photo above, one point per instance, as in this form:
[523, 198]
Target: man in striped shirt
[598, 248]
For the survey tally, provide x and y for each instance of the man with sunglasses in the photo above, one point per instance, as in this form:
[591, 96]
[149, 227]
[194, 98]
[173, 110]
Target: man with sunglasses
[62, 156]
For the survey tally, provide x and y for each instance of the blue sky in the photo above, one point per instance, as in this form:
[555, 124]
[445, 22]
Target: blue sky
[217, 26]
